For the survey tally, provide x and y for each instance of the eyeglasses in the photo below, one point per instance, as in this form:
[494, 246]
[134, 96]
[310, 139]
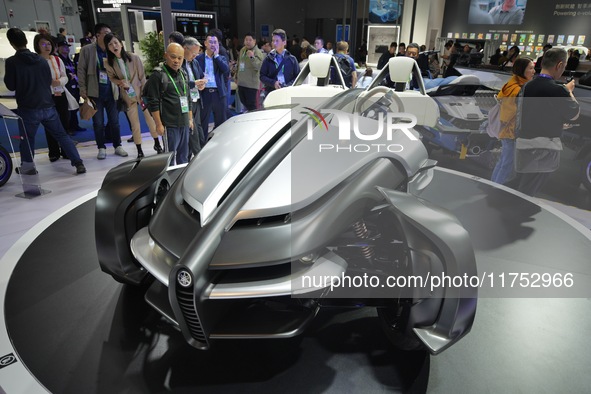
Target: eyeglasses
[45, 44]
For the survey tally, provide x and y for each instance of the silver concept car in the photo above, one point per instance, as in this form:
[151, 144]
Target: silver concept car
[290, 209]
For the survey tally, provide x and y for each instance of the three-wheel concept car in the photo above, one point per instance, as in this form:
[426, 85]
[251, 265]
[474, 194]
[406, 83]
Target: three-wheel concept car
[283, 211]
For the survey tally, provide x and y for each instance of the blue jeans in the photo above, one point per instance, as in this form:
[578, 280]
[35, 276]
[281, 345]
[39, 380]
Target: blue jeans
[505, 169]
[49, 118]
[107, 103]
[178, 141]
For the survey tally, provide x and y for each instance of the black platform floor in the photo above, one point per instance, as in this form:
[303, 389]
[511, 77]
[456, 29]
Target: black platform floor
[78, 331]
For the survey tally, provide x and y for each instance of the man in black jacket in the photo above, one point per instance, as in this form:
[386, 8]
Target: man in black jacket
[385, 58]
[280, 68]
[542, 112]
[28, 74]
[168, 97]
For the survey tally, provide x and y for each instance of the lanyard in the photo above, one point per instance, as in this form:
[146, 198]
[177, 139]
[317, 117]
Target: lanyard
[98, 62]
[174, 84]
[127, 73]
[545, 76]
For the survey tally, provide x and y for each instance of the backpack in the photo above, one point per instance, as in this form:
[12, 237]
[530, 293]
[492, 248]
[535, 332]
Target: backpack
[345, 67]
[163, 80]
[493, 125]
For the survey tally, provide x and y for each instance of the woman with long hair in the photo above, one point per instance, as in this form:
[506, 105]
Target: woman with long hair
[523, 71]
[127, 71]
[45, 47]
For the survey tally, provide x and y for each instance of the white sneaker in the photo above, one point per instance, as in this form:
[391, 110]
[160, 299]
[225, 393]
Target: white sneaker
[102, 154]
[119, 151]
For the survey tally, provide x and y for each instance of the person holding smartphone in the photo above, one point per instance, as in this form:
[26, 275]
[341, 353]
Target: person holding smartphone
[216, 71]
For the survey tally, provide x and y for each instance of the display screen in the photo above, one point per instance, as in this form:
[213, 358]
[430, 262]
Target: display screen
[195, 25]
[499, 12]
[385, 11]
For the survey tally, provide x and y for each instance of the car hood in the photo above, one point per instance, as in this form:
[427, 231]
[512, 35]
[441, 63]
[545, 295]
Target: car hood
[306, 174]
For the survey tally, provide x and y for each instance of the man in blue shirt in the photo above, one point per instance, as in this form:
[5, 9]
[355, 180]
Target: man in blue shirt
[216, 71]
[280, 68]
[347, 70]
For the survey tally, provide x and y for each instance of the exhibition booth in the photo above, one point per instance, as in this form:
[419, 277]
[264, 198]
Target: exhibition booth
[163, 278]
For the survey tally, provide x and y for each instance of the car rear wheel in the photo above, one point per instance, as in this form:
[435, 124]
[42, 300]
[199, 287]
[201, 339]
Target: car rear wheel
[586, 172]
[5, 166]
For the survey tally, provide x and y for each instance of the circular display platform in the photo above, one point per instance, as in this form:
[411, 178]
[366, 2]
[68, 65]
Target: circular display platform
[77, 330]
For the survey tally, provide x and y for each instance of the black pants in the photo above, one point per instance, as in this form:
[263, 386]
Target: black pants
[61, 105]
[196, 135]
[212, 102]
[532, 183]
[73, 125]
[248, 97]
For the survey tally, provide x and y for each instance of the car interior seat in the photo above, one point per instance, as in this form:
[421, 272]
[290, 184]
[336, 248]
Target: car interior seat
[400, 69]
[318, 66]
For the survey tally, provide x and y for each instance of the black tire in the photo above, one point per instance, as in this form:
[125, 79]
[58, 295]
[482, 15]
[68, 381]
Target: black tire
[586, 172]
[5, 165]
[395, 325]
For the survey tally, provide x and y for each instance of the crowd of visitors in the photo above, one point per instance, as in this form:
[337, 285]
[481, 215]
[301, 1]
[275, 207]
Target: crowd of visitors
[192, 85]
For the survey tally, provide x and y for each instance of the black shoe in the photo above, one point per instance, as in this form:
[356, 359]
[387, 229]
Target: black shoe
[54, 158]
[80, 169]
[130, 139]
[158, 149]
[140, 155]
[32, 171]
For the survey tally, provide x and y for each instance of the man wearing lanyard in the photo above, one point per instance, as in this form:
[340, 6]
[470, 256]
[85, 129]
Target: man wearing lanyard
[249, 66]
[216, 70]
[94, 84]
[169, 103]
[280, 68]
[542, 112]
[196, 83]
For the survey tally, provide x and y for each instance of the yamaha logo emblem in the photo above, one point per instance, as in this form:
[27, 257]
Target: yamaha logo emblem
[184, 278]
[5, 361]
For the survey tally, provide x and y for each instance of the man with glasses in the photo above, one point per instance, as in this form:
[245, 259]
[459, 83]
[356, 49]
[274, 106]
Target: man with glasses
[422, 60]
[216, 71]
[95, 85]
